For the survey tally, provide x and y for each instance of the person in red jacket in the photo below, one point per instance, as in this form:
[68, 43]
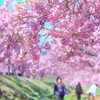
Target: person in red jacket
[59, 89]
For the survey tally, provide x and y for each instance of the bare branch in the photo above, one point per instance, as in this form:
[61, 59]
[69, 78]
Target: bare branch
[87, 52]
[74, 7]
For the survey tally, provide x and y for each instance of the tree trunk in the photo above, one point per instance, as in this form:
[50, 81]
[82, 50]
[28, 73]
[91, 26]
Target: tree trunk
[42, 77]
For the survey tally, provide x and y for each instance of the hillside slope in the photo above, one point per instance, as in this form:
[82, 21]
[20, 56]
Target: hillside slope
[21, 88]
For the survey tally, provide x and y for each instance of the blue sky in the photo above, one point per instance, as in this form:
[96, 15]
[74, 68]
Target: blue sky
[47, 24]
[75, 4]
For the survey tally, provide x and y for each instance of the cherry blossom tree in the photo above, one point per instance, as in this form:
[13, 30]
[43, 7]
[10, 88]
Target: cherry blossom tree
[74, 37]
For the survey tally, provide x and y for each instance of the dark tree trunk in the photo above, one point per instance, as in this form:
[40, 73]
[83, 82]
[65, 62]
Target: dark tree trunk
[42, 77]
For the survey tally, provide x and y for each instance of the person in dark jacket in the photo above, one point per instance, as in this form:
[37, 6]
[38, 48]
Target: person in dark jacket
[78, 91]
[59, 89]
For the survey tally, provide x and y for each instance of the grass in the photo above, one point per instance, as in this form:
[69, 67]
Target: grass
[21, 88]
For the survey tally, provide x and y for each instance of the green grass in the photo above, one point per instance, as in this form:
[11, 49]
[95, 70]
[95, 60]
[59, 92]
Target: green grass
[21, 88]
[24, 88]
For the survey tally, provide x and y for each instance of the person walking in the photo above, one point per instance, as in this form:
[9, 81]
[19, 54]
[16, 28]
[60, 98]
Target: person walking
[59, 89]
[92, 91]
[78, 91]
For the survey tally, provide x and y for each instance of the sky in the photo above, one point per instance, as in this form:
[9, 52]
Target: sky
[47, 24]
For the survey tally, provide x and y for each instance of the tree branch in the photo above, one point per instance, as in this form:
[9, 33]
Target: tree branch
[74, 7]
[41, 49]
[87, 52]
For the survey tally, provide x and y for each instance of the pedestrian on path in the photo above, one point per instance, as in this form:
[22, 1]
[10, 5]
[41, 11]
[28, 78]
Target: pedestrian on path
[78, 91]
[59, 89]
[92, 91]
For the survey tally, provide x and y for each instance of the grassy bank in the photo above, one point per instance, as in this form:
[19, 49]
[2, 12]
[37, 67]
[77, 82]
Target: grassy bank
[21, 88]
